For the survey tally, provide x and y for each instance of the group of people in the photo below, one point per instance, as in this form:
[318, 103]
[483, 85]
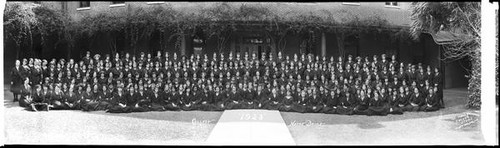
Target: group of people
[299, 83]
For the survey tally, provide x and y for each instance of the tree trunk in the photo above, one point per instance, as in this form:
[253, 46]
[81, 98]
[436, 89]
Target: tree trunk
[474, 87]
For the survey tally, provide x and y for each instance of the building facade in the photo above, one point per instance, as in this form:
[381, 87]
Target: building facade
[425, 51]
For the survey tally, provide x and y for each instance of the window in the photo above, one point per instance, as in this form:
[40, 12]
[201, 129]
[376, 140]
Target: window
[351, 3]
[83, 5]
[391, 4]
[156, 2]
[117, 4]
[64, 6]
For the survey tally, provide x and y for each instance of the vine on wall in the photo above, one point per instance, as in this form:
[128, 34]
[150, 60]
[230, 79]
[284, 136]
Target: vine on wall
[217, 21]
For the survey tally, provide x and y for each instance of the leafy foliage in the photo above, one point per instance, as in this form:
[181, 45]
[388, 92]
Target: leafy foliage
[457, 17]
[217, 21]
[19, 22]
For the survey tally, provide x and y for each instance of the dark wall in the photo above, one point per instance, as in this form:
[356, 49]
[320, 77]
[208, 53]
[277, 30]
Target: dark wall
[455, 73]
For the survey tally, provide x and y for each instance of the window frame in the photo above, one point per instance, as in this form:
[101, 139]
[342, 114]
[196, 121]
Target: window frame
[351, 3]
[117, 4]
[155, 2]
[391, 5]
[83, 8]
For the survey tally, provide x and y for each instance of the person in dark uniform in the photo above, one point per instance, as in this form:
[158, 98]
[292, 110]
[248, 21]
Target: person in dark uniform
[174, 102]
[57, 98]
[16, 80]
[314, 103]
[119, 102]
[220, 99]
[300, 103]
[38, 102]
[90, 102]
[36, 74]
[394, 107]
[196, 96]
[234, 99]
[377, 106]
[70, 99]
[436, 80]
[157, 100]
[431, 102]
[331, 102]
[347, 104]
[261, 96]
[207, 99]
[416, 101]
[274, 100]
[105, 97]
[287, 102]
[187, 99]
[363, 104]
[140, 101]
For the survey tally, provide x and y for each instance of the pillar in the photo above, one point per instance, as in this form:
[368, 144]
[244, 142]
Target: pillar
[183, 44]
[323, 44]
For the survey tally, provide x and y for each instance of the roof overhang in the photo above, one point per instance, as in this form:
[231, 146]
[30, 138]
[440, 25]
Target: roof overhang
[447, 37]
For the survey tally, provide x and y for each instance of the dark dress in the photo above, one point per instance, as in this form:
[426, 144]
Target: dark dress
[331, 104]
[362, 107]
[70, 101]
[39, 101]
[104, 99]
[173, 102]
[89, 102]
[274, 102]
[431, 103]
[116, 108]
[394, 105]
[234, 101]
[17, 79]
[300, 105]
[378, 107]
[187, 104]
[416, 99]
[208, 102]
[220, 101]
[287, 104]
[314, 104]
[26, 96]
[141, 100]
[347, 105]
[157, 102]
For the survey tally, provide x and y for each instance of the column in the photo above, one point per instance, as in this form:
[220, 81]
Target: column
[323, 44]
[183, 44]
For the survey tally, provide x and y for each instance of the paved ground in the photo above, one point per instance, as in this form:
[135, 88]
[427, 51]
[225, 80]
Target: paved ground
[250, 127]
[194, 127]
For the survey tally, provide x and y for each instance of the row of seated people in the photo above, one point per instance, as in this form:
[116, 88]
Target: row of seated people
[160, 97]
